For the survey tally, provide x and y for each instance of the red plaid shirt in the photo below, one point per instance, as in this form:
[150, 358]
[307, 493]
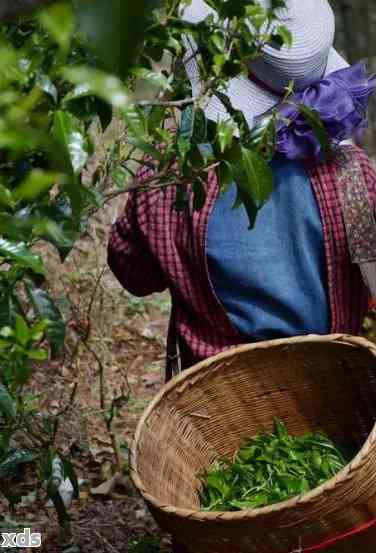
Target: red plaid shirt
[153, 246]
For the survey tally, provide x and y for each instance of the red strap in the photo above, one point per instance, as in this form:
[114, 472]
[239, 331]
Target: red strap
[338, 538]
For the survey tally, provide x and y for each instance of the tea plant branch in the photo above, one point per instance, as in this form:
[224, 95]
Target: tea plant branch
[169, 103]
[63, 411]
[155, 183]
[106, 543]
[108, 419]
[84, 340]
[91, 303]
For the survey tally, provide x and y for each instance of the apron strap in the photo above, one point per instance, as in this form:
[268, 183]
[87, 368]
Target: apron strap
[358, 215]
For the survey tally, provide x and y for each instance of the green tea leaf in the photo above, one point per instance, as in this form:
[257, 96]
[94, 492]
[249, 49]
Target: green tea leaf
[225, 134]
[270, 468]
[37, 182]
[262, 136]
[99, 83]
[19, 252]
[7, 404]
[46, 309]
[6, 196]
[260, 177]
[313, 119]
[44, 82]
[22, 330]
[67, 132]
[186, 131]
[12, 459]
[37, 354]
[285, 34]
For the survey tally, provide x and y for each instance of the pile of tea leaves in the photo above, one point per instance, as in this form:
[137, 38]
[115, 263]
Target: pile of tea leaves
[271, 468]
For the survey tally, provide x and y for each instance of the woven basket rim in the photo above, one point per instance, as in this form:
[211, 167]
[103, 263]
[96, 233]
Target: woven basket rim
[200, 515]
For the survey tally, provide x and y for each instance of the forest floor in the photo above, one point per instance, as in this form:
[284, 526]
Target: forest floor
[115, 356]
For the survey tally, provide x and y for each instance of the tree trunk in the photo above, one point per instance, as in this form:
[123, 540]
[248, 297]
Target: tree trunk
[11, 10]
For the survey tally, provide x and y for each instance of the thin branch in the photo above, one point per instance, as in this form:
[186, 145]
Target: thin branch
[106, 543]
[91, 303]
[168, 103]
[62, 412]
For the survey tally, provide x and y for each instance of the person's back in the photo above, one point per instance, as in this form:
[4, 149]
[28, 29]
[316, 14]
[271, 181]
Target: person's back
[292, 273]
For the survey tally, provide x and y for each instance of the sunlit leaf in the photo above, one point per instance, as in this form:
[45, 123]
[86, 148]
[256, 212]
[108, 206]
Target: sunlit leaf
[68, 133]
[120, 177]
[58, 20]
[12, 459]
[153, 78]
[37, 354]
[20, 253]
[285, 34]
[93, 81]
[37, 182]
[225, 134]
[44, 82]
[6, 196]
[79, 91]
[262, 136]
[22, 330]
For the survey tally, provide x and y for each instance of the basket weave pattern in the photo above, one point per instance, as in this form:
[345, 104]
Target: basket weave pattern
[311, 383]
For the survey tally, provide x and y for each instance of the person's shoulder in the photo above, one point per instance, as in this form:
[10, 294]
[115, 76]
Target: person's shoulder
[354, 156]
[351, 152]
[346, 160]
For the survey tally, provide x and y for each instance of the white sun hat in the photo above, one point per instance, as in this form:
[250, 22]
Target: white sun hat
[310, 58]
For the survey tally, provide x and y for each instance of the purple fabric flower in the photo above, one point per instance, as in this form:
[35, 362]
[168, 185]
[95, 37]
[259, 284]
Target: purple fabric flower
[341, 99]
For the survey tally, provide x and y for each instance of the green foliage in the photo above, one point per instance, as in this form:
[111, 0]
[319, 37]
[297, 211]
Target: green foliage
[44, 146]
[313, 119]
[271, 468]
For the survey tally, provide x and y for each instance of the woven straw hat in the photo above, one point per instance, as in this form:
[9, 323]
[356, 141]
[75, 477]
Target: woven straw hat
[310, 58]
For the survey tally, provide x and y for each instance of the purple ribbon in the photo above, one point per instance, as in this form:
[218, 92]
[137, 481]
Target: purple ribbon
[341, 99]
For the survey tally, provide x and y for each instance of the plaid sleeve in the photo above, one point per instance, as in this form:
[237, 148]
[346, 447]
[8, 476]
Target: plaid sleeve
[128, 254]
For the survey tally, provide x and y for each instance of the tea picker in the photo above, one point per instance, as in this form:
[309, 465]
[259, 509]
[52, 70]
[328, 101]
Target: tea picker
[306, 268]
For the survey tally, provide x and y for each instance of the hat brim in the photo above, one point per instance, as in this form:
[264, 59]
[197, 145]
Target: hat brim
[246, 95]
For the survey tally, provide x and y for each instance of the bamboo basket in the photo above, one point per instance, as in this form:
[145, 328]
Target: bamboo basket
[311, 383]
